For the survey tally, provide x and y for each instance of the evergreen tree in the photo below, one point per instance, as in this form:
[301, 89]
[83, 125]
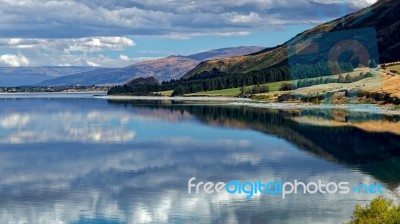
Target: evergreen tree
[349, 78]
[341, 79]
[373, 64]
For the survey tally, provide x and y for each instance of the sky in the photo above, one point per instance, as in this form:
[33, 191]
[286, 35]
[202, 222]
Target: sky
[118, 33]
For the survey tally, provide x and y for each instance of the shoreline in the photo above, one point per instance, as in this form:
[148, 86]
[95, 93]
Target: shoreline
[364, 108]
[218, 99]
[233, 101]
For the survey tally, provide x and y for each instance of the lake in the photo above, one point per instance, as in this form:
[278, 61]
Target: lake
[85, 160]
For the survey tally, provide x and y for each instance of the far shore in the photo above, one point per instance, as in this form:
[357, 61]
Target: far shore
[233, 101]
[178, 98]
[236, 101]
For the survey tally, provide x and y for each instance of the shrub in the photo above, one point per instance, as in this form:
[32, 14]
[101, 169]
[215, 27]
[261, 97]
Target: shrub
[368, 75]
[256, 89]
[285, 97]
[242, 90]
[380, 210]
[300, 84]
[180, 90]
[286, 86]
[341, 79]
[264, 89]
[349, 78]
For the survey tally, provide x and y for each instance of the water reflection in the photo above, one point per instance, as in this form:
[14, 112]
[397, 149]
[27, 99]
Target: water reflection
[27, 127]
[64, 178]
[351, 138]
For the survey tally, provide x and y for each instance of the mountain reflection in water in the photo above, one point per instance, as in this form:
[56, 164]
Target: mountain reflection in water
[337, 135]
[98, 161]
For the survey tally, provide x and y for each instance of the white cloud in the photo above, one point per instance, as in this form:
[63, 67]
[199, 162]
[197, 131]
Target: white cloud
[251, 17]
[124, 57]
[87, 44]
[92, 64]
[354, 3]
[64, 51]
[14, 60]
[187, 36]
[98, 44]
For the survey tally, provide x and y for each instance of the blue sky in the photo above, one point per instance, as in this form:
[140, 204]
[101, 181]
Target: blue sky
[161, 47]
[119, 33]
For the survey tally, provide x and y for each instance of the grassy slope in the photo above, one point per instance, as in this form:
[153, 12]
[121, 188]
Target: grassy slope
[390, 84]
[383, 16]
[394, 68]
[382, 83]
[273, 87]
[165, 93]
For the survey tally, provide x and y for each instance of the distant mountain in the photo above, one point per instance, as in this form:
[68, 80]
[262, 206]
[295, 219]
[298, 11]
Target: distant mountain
[20, 76]
[224, 53]
[173, 67]
[162, 69]
[383, 17]
[143, 81]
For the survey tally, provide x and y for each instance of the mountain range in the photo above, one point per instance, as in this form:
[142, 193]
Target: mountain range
[23, 76]
[173, 67]
[381, 19]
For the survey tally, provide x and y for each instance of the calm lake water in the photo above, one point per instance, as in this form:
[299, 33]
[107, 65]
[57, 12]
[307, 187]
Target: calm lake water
[85, 160]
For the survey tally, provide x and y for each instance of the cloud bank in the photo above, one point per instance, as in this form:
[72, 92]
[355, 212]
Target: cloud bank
[42, 32]
[74, 19]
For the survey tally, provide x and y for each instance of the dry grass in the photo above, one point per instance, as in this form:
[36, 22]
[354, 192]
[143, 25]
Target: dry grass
[165, 93]
[381, 83]
[394, 68]
[390, 84]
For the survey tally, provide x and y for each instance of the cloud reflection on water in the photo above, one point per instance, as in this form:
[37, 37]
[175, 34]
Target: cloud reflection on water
[95, 127]
[146, 182]
[62, 173]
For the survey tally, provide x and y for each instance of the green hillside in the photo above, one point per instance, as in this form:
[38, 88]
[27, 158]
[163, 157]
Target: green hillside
[381, 18]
